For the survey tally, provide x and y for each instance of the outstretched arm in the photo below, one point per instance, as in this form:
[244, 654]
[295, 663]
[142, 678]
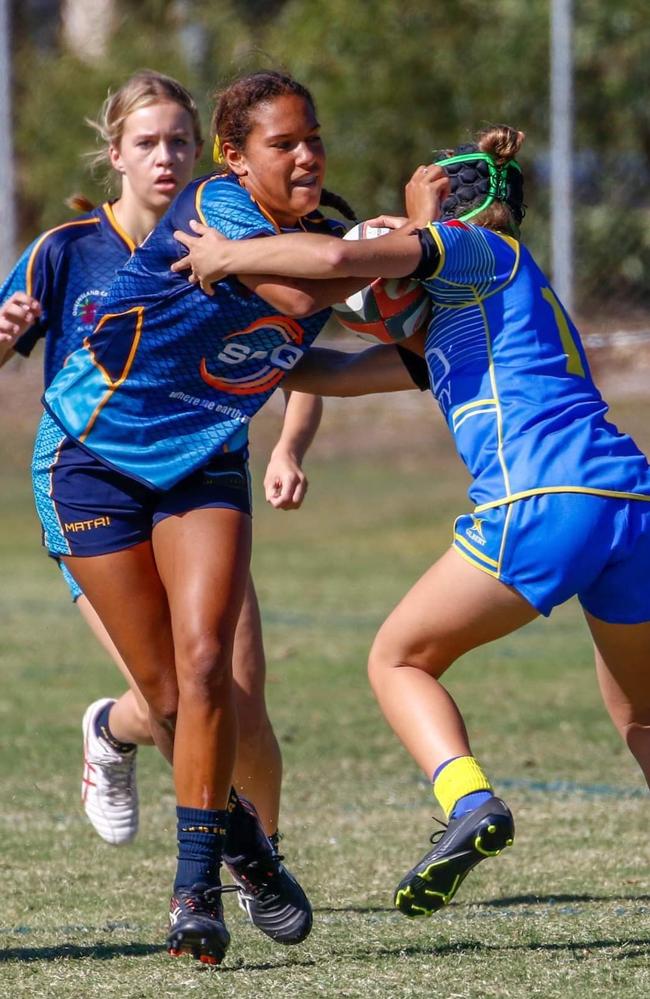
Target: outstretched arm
[211, 257]
[337, 373]
[285, 483]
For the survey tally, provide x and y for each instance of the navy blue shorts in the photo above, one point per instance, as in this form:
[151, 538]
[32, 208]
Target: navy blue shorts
[87, 508]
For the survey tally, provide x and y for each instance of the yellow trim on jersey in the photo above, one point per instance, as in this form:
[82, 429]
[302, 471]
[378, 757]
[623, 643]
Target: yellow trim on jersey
[514, 244]
[197, 205]
[113, 385]
[197, 198]
[475, 551]
[441, 249]
[30, 263]
[122, 233]
[477, 565]
[471, 405]
[543, 490]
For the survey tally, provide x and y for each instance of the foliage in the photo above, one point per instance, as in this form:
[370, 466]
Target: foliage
[392, 82]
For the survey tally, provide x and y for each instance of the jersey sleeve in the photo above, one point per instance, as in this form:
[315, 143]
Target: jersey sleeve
[228, 207]
[468, 261]
[31, 274]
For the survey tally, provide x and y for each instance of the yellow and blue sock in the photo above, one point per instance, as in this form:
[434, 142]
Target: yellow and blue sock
[201, 833]
[460, 786]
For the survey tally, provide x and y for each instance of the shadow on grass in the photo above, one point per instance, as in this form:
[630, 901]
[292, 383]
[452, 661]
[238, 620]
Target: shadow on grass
[557, 899]
[495, 903]
[100, 952]
[641, 948]
[631, 949]
[360, 909]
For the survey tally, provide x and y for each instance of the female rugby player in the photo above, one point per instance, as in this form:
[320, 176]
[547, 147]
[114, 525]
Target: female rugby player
[150, 421]
[151, 136]
[562, 498]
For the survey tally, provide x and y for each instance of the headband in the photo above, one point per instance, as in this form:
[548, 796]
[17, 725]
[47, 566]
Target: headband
[477, 180]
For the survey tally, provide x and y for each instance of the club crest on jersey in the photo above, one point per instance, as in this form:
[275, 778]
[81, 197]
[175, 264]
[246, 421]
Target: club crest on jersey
[475, 532]
[273, 346]
[86, 305]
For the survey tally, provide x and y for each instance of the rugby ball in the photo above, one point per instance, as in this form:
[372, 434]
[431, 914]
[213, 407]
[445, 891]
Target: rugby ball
[389, 309]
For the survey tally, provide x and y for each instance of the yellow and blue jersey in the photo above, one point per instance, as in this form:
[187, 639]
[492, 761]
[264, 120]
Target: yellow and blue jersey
[510, 375]
[68, 269]
[170, 377]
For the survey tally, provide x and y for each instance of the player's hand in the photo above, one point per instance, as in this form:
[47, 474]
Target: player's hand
[425, 193]
[285, 483]
[203, 258]
[388, 221]
[17, 314]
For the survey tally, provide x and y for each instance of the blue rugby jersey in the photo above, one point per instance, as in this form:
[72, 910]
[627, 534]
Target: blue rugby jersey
[69, 270]
[510, 375]
[170, 376]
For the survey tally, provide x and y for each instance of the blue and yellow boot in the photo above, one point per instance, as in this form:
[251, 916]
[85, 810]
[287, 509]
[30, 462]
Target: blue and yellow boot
[480, 825]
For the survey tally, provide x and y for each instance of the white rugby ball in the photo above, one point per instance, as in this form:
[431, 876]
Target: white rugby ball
[387, 310]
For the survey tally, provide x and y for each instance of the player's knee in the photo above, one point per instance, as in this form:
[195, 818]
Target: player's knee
[163, 707]
[391, 652]
[204, 669]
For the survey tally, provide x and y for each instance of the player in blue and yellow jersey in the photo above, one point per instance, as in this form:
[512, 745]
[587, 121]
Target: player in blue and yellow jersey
[562, 498]
[141, 480]
[151, 136]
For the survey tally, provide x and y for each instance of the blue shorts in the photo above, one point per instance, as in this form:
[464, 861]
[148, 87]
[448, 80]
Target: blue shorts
[559, 545]
[87, 508]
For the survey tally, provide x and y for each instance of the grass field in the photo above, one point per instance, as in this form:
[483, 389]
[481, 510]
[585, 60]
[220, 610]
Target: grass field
[565, 913]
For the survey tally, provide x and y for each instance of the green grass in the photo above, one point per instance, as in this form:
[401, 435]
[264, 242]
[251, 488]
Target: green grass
[565, 913]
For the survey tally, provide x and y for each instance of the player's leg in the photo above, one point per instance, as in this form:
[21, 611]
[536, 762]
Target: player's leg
[203, 558]
[453, 608]
[125, 590]
[129, 714]
[120, 580]
[623, 668]
[258, 766]
[269, 893]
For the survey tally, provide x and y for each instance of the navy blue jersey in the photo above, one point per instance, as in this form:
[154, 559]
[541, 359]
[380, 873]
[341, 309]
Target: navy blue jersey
[170, 376]
[69, 270]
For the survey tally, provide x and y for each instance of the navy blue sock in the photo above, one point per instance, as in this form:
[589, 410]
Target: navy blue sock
[245, 836]
[103, 730]
[201, 833]
[469, 802]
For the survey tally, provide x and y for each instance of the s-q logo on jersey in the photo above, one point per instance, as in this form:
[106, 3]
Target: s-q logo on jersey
[475, 532]
[273, 346]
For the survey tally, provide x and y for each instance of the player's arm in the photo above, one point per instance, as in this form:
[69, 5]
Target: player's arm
[17, 313]
[296, 297]
[285, 483]
[377, 369]
[212, 257]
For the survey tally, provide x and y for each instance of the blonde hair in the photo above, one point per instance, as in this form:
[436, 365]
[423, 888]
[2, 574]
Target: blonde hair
[144, 88]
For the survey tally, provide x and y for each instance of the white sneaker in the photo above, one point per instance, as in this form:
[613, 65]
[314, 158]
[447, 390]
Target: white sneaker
[108, 787]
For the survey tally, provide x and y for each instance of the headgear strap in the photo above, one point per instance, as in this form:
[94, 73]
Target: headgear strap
[477, 180]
